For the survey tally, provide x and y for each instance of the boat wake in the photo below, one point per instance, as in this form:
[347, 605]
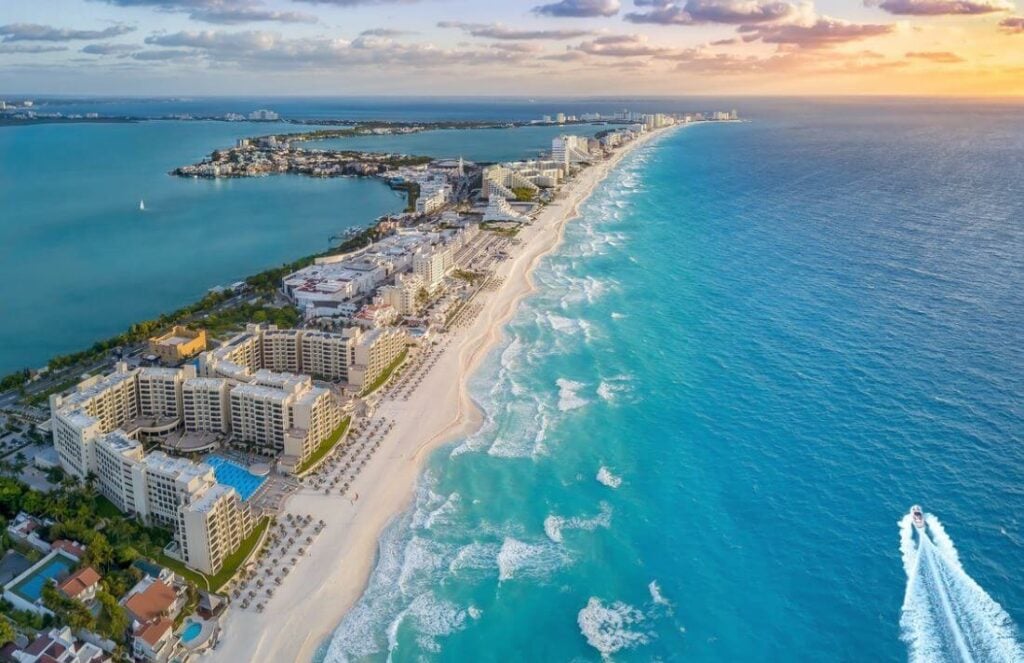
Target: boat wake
[946, 615]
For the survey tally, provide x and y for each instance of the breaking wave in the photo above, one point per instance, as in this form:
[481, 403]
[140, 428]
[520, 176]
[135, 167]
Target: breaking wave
[555, 525]
[612, 628]
[605, 477]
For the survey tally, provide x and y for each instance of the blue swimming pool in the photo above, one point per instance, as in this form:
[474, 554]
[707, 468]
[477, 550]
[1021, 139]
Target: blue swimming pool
[191, 632]
[31, 588]
[232, 474]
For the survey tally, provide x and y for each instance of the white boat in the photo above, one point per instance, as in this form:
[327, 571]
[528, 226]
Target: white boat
[142, 205]
[917, 516]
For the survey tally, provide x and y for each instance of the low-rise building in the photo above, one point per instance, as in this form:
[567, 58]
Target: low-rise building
[178, 344]
[81, 585]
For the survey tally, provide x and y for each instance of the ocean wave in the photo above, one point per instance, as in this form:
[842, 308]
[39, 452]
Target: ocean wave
[435, 618]
[555, 525]
[518, 559]
[605, 477]
[611, 628]
[477, 555]
[568, 395]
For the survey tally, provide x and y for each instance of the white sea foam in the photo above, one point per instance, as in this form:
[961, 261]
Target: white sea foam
[605, 476]
[518, 559]
[435, 618]
[618, 316]
[422, 558]
[655, 589]
[555, 525]
[474, 612]
[568, 395]
[611, 628]
[475, 556]
[610, 389]
[946, 615]
[441, 513]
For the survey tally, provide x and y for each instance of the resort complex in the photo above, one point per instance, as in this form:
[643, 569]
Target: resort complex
[207, 434]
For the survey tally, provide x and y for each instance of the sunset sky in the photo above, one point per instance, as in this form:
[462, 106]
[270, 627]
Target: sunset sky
[512, 47]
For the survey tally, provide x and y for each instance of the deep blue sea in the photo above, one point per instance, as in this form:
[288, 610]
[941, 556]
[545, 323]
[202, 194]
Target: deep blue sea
[757, 347]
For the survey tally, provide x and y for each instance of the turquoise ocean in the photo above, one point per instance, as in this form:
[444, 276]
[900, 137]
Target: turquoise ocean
[757, 347]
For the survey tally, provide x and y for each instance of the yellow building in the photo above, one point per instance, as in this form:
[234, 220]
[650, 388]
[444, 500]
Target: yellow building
[178, 344]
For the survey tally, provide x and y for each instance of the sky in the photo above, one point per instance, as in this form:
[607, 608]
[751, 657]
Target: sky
[512, 47]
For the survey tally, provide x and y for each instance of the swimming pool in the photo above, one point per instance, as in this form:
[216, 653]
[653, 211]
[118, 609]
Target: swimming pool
[232, 474]
[31, 588]
[191, 632]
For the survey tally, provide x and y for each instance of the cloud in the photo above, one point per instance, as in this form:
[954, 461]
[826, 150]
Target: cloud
[234, 15]
[579, 8]
[940, 57]
[36, 32]
[821, 33]
[30, 48]
[255, 48]
[164, 55]
[622, 46]
[383, 32]
[109, 49]
[697, 12]
[941, 7]
[226, 12]
[499, 31]
[1013, 24]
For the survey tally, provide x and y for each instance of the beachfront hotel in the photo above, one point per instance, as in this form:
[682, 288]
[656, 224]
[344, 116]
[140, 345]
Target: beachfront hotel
[350, 356]
[209, 520]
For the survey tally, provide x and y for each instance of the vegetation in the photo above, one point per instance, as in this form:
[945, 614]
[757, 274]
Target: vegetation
[236, 317]
[499, 230]
[7, 631]
[325, 447]
[524, 194]
[112, 543]
[412, 190]
[231, 564]
[469, 277]
[392, 367]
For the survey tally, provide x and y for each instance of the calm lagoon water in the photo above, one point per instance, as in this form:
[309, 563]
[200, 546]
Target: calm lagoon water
[83, 263]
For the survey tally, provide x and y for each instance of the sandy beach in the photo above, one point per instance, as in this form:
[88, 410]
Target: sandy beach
[330, 578]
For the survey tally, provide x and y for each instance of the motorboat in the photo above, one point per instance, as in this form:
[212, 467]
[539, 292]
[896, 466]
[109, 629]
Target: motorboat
[917, 516]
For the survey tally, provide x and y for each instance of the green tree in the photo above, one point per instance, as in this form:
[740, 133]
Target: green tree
[7, 632]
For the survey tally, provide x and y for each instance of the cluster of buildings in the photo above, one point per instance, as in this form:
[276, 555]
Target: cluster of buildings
[151, 604]
[264, 115]
[506, 182]
[651, 120]
[267, 155]
[396, 269]
[95, 431]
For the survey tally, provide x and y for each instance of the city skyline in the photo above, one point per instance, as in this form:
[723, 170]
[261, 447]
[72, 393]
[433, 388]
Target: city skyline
[564, 47]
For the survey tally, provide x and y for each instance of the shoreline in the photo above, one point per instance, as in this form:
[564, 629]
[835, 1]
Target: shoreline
[334, 573]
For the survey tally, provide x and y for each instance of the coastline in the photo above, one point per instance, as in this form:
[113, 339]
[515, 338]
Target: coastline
[333, 574]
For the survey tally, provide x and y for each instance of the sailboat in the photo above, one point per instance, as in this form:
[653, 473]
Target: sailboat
[142, 205]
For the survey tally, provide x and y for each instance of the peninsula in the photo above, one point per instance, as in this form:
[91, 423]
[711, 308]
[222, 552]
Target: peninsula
[290, 435]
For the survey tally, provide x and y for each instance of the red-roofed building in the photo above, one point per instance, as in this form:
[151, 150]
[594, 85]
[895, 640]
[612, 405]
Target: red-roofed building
[154, 640]
[152, 598]
[81, 585]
